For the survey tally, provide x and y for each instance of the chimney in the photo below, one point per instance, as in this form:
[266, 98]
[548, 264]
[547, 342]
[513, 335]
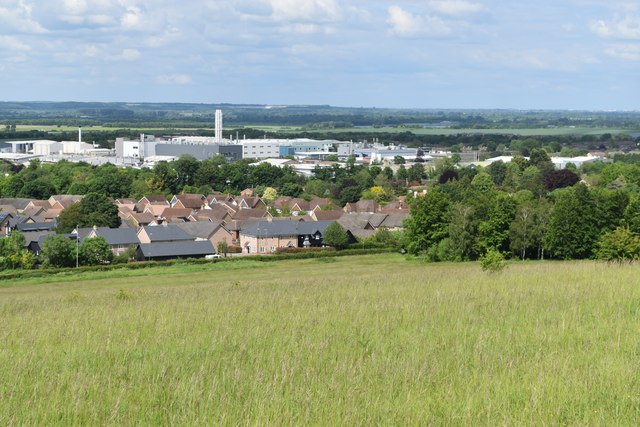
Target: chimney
[80, 134]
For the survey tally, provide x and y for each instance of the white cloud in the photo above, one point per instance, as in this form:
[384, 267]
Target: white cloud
[130, 54]
[307, 29]
[13, 44]
[628, 52]
[625, 28]
[16, 15]
[405, 24]
[131, 19]
[311, 10]
[174, 79]
[455, 7]
[92, 51]
[75, 7]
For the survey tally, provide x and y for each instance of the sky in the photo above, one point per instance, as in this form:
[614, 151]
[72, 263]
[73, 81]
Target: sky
[517, 54]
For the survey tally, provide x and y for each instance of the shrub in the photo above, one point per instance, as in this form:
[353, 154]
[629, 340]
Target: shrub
[619, 245]
[493, 261]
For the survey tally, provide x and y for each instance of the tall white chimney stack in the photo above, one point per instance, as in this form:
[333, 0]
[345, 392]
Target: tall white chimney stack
[218, 137]
[80, 134]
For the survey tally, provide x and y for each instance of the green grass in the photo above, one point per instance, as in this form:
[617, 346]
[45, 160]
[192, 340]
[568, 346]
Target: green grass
[338, 341]
[560, 131]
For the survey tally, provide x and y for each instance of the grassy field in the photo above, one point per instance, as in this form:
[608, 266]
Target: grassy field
[579, 131]
[339, 341]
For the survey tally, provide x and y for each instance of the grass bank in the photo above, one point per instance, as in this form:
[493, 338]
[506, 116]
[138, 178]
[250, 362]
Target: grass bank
[354, 340]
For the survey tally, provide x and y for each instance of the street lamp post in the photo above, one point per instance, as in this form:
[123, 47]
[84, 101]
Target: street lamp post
[77, 245]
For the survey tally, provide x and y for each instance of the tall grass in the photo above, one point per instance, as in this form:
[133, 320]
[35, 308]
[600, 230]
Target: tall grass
[361, 340]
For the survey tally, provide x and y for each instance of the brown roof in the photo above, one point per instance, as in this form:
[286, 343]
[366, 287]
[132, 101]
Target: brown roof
[155, 210]
[141, 218]
[327, 215]
[191, 202]
[249, 213]
[362, 206]
[33, 211]
[218, 197]
[154, 199]
[176, 213]
[395, 206]
[216, 213]
[282, 202]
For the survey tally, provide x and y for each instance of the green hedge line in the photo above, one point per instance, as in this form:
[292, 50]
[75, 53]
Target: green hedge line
[322, 253]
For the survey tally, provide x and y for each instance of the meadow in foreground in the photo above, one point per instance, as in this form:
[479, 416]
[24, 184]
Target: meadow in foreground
[356, 340]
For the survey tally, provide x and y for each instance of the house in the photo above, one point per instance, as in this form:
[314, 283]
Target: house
[159, 251]
[189, 201]
[156, 199]
[319, 215]
[214, 213]
[175, 214]
[267, 236]
[281, 203]
[64, 201]
[215, 232]
[218, 198]
[369, 206]
[129, 204]
[38, 204]
[357, 225]
[36, 226]
[120, 239]
[249, 203]
[5, 220]
[364, 225]
[17, 203]
[140, 219]
[244, 214]
[34, 240]
[163, 233]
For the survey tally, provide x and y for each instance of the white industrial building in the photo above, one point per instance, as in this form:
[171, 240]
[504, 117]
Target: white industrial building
[47, 148]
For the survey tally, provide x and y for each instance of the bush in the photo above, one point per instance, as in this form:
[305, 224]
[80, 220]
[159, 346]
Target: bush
[493, 261]
[619, 245]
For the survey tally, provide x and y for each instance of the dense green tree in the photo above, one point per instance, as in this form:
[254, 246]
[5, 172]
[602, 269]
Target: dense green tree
[69, 219]
[59, 251]
[619, 245]
[335, 236]
[415, 173]
[493, 232]
[98, 210]
[350, 194]
[13, 254]
[572, 231]
[462, 232]
[95, 251]
[498, 172]
[399, 160]
[428, 222]
[291, 190]
[40, 188]
[110, 181]
[539, 156]
[186, 169]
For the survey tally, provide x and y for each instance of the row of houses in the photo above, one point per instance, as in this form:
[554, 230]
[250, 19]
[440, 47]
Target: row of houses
[194, 225]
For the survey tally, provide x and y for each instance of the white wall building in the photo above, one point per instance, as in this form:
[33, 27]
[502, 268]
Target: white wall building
[75, 147]
[47, 148]
[260, 148]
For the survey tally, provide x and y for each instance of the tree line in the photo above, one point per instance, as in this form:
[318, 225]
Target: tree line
[527, 209]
